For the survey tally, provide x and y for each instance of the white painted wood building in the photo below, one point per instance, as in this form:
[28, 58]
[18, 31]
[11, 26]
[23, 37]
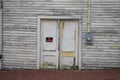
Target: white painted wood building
[48, 34]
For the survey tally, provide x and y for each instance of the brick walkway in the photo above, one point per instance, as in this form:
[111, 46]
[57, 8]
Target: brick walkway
[60, 75]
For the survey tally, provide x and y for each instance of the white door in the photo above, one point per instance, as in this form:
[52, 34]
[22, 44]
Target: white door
[49, 44]
[59, 44]
[69, 46]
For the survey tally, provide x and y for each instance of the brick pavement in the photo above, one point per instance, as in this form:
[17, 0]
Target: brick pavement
[113, 74]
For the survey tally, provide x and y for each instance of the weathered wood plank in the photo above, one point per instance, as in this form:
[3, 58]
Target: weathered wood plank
[0, 34]
[0, 30]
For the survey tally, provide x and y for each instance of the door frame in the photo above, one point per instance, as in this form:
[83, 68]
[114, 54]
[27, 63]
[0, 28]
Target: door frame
[58, 18]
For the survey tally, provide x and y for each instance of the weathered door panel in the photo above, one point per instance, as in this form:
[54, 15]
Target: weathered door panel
[68, 53]
[68, 36]
[49, 44]
[50, 36]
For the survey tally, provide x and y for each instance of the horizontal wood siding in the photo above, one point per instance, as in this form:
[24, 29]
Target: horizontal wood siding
[0, 28]
[0, 31]
[20, 30]
[106, 30]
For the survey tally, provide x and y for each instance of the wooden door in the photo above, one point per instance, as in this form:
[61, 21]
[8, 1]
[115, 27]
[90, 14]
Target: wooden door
[69, 46]
[49, 44]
